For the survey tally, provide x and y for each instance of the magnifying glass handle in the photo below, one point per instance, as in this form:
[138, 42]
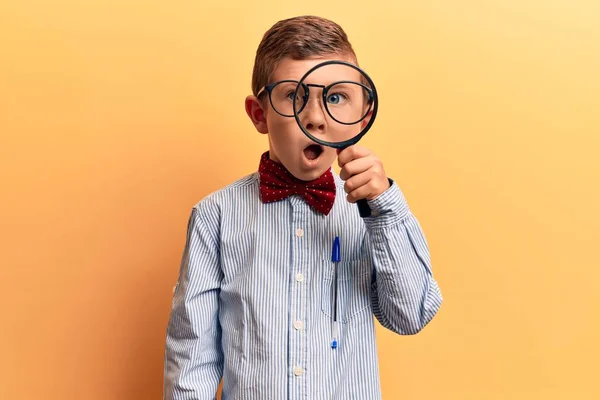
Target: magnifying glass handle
[363, 208]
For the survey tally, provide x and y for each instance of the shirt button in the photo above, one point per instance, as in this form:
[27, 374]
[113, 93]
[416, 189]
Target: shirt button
[298, 325]
[300, 277]
[298, 371]
[299, 232]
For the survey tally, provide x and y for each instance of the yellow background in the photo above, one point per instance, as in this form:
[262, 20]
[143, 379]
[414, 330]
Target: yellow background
[114, 113]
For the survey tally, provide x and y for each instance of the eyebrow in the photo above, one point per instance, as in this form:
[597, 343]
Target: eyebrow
[344, 84]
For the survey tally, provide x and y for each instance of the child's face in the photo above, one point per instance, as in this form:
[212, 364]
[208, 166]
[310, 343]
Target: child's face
[288, 145]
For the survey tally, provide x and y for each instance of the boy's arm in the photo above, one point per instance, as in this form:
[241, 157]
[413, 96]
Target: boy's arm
[193, 353]
[405, 296]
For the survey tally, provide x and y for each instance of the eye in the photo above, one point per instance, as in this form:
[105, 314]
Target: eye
[335, 98]
[290, 96]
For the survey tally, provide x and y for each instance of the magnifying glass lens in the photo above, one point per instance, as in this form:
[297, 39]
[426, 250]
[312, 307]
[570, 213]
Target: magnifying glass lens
[338, 96]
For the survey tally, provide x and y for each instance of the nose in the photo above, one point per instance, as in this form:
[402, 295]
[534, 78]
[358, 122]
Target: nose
[313, 116]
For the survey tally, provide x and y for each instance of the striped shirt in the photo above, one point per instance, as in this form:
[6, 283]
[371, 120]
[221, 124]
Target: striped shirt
[254, 298]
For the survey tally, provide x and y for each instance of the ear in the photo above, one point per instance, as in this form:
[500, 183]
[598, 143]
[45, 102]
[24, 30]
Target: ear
[256, 114]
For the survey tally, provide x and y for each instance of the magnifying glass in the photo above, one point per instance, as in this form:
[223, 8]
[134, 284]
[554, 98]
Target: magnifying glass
[347, 97]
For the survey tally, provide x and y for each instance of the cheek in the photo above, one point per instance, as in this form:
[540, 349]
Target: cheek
[276, 122]
[285, 130]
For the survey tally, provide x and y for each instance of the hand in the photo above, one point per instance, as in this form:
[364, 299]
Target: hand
[363, 173]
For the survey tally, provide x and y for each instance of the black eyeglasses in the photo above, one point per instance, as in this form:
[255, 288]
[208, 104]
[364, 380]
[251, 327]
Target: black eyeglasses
[347, 102]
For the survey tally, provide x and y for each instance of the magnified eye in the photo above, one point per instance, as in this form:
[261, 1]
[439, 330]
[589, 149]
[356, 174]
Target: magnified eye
[336, 98]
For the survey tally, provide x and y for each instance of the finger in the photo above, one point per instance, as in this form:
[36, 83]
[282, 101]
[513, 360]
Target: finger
[356, 167]
[363, 192]
[357, 181]
[352, 153]
[366, 185]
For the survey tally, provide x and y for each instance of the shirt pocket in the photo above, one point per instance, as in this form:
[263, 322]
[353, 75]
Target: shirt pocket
[354, 281]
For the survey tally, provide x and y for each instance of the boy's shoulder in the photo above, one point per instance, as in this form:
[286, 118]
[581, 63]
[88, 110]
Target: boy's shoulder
[234, 190]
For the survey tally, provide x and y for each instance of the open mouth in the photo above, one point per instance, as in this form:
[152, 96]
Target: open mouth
[313, 151]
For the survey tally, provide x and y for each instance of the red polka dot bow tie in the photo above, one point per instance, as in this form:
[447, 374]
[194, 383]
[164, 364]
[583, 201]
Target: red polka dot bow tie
[277, 183]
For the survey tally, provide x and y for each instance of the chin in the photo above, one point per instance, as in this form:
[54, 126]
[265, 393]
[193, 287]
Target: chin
[310, 175]
[313, 173]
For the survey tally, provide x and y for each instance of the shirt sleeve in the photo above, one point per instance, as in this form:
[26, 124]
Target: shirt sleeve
[405, 295]
[193, 353]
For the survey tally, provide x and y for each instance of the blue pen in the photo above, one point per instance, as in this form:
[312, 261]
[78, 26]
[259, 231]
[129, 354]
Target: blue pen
[335, 259]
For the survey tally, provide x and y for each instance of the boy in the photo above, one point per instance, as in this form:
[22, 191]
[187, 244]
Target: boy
[254, 299]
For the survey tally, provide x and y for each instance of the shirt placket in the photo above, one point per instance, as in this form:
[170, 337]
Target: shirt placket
[297, 322]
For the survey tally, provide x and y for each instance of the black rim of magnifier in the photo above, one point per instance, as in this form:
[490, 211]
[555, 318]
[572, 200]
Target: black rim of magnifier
[355, 139]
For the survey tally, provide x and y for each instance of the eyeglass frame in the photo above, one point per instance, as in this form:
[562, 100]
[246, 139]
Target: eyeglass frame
[269, 89]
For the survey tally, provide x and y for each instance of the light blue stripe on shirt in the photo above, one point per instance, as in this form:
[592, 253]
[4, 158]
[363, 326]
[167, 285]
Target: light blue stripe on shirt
[253, 301]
